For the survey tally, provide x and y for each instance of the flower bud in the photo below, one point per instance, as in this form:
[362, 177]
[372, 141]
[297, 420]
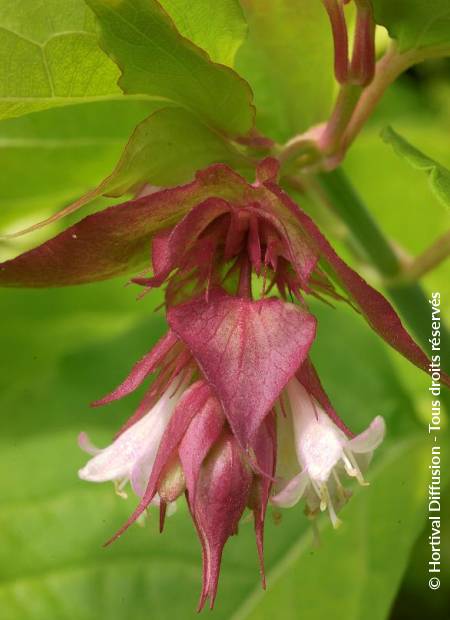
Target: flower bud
[172, 482]
[222, 494]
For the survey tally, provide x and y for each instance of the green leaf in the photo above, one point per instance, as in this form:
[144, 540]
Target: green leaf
[395, 190]
[415, 23]
[288, 60]
[49, 56]
[156, 60]
[217, 27]
[354, 574]
[166, 149]
[438, 176]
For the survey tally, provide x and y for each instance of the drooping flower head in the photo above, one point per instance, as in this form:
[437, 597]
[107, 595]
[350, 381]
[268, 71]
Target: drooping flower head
[184, 444]
[235, 392]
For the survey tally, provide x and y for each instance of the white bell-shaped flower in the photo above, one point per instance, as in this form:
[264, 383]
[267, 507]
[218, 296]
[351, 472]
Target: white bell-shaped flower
[323, 452]
[131, 456]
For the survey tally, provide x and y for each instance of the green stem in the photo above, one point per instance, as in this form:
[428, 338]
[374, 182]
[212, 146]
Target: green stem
[410, 298]
[344, 107]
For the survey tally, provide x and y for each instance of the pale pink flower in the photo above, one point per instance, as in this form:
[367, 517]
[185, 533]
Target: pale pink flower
[324, 454]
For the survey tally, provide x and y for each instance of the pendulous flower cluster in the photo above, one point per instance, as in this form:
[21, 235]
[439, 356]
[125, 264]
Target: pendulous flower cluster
[236, 416]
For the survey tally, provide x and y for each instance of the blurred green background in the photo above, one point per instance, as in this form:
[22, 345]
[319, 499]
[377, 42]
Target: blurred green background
[61, 349]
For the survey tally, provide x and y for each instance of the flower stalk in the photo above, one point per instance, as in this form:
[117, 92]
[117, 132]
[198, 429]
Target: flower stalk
[353, 78]
[430, 258]
[335, 11]
[362, 67]
[331, 138]
[324, 147]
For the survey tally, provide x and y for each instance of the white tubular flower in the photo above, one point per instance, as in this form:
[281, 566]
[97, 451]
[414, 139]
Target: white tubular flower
[131, 456]
[323, 453]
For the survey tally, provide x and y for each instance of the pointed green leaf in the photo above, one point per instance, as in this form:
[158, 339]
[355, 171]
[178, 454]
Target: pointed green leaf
[156, 60]
[288, 60]
[415, 23]
[438, 176]
[166, 149]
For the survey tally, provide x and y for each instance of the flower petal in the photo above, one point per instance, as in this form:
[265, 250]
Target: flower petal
[319, 442]
[86, 444]
[370, 439]
[188, 406]
[139, 441]
[248, 350]
[141, 471]
[292, 492]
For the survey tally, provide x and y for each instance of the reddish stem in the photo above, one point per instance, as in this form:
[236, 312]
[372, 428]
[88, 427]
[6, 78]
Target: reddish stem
[340, 37]
[362, 66]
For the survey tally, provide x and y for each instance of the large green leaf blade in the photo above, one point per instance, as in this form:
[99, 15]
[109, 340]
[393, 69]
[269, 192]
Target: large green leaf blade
[156, 60]
[49, 56]
[287, 59]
